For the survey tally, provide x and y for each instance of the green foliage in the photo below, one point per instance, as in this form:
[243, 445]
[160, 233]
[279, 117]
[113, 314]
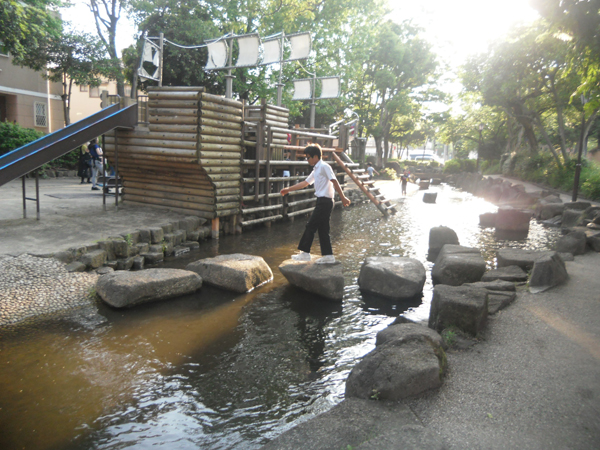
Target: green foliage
[26, 25]
[452, 166]
[13, 136]
[468, 165]
[449, 337]
[388, 174]
[375, 395]
[491, 167]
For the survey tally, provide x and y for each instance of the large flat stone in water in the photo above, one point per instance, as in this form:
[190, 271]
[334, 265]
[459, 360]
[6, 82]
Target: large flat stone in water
[392, 277]
[236, 272]
[125, 289]
[326, 280]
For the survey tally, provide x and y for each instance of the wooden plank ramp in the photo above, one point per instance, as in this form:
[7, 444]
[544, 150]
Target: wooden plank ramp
[361, 179]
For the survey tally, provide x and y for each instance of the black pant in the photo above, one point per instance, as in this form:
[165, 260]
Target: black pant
[319, 221]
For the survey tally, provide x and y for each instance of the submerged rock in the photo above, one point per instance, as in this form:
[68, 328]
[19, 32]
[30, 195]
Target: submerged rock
[125, 289]
[236, 272]
[392, 277]
[326, 280]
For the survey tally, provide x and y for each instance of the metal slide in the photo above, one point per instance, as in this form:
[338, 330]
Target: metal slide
[23, 160]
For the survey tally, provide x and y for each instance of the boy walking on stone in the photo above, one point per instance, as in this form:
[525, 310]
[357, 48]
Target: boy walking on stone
[326, 184]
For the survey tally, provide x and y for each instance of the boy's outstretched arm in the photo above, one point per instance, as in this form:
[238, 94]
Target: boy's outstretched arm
[338, 189]
[297, 186]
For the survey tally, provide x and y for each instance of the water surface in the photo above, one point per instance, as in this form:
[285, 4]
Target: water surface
[217, 370]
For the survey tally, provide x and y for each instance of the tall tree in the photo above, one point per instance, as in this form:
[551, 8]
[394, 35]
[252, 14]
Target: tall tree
[106, 15]
[26, 25]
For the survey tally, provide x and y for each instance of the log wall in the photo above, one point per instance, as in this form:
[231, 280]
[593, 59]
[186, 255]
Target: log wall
[187, 158]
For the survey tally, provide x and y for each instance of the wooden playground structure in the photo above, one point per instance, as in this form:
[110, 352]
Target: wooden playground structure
[219, 159]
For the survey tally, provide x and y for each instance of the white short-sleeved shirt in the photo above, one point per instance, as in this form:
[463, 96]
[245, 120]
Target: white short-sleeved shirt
[321, 176]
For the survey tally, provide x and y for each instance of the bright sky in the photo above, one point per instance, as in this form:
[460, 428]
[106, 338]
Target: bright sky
[459, 28]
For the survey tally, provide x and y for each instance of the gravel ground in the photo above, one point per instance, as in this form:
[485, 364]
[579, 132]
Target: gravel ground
[32, 286]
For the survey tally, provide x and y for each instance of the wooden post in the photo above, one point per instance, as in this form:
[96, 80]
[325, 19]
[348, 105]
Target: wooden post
[215, 228]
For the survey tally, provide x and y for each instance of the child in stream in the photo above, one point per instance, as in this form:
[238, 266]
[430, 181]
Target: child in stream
[325, 183]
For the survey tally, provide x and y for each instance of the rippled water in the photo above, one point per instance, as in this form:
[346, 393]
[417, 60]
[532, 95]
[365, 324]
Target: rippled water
[217, 370]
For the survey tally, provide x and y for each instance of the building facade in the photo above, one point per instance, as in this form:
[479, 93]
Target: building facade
[28, 99]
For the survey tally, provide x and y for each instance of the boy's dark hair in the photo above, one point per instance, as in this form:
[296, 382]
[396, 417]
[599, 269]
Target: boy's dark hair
[313, 150]
[369, 164]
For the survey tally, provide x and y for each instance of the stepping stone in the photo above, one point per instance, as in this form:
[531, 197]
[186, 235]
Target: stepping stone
[463, 307]
[126, 289]
[392, 277]
[236, 272]
[547, 272]
[457, 265]
[518, 257]
[499, 300]
[325, 280]
[508, 273]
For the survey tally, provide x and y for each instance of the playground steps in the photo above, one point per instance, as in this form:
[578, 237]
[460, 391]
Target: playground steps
[362, 181]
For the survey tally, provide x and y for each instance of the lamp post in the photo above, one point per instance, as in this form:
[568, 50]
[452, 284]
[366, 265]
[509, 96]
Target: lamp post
[579, 151]
[479, 147]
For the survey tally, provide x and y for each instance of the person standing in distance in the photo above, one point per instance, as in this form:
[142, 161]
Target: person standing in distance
[370, 170]
[326, 184]
[96, 153]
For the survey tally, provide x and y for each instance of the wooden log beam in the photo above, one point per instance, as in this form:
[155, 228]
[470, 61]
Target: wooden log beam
[298, 213]
[213, 147]
[231, 205]
[204, 155]
[191, 212]
[210, 139]
[209, 114]
[220, 124]
[167, 187]
[177, 120]
[261, 220]
[173, 95]
[154, 165]
[205, 162]
[168, 202]
[185, 159]
[221, 100]
[173, 128]
[206, 130]
[197, 89]
[228, 212]
[187, 104]
[261, 209]
[147, 192]
[156, 143]
[151, 135]
[173, 112]
[219, 107]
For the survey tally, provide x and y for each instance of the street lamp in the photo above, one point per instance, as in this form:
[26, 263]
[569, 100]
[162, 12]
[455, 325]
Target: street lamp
[579, 151]
[479, 149]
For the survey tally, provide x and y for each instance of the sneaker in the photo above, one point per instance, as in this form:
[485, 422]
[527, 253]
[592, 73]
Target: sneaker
[327, 259]
[95, 189]
[302, 256]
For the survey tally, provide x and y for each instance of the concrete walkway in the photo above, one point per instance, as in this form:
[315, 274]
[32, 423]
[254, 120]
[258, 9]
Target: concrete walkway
[71, 215]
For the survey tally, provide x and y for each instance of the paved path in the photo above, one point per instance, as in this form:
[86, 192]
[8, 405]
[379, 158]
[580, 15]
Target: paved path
[71, 214]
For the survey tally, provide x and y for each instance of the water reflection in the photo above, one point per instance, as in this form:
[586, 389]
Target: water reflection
[218, 370]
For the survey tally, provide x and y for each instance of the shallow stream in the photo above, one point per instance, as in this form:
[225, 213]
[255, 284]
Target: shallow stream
[217, 370]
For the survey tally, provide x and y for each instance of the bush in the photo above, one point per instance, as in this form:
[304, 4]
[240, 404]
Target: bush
[13, 136]
[468, 165]
[388, 174]
[491, 167]
[452, 166]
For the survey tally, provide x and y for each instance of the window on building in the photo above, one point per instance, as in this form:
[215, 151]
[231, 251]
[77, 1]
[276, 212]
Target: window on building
[95, 92]
[83, 88]
[40, 112]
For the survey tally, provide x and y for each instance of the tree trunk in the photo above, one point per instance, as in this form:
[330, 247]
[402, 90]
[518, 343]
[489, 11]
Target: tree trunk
[547, 139]
[560, 120]
[378, 150]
